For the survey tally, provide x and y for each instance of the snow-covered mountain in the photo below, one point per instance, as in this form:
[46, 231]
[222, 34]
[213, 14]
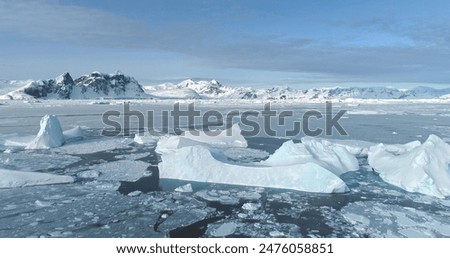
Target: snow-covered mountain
[8, 86]
[94, 85]
[213, 89]
[100, 85]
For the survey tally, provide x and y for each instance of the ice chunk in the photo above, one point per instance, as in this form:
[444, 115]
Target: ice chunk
[225, 229]
[12, 178]
[145, 138]
[333, 158]
[249, 206]
[223, 197]
[49, 136]
[195, 163]
[423, 169]
[121, 170]
[182, 218]
[74, 134]
[187, 188]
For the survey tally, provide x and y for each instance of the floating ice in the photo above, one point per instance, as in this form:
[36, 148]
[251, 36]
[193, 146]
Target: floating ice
[375, 219]
[121, 170]
[25, 161]
[225, 229]
[182, 218]
[223, 197]
[12, 178]
[230, 137]
[74, 134]
[423, 168]
[50, 135]
[187, 188]
[195, 163]
[356, 147]
[227, 138]
[145, 138]
[95, 145]
[334, 158]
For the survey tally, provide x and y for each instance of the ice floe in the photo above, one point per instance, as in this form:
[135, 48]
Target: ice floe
[121, 170]
[422, 168]
[195, 163]
[12, 178]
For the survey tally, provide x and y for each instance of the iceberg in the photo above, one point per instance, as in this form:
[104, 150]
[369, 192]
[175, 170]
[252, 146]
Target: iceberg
[13, 178]
[50, 134]
[195, 163]
[422, 168]
[331, 157]
[222, 139]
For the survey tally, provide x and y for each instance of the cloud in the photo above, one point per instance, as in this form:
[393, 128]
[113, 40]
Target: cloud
[426, 59]
[68, 23]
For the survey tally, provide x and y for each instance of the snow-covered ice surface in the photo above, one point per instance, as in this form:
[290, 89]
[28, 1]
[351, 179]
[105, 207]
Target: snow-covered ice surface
[116, 190]
[422, 168]
[195, 163]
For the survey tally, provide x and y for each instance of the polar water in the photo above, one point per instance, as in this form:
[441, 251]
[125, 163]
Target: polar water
[59, 177]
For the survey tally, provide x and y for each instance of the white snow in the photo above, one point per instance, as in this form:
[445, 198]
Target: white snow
[223, 139]
[50, 135]
[230, 137]
[145, 138]
[74, 134]
[331, 157]
[12, 178]
[195, 163]
[415, 168]
[95, 145]
[187, 188]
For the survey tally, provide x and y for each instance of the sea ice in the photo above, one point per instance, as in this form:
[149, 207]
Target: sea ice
[50, 135]
[12, 178]
[195, 163]
[333, 158]
[121, 170]
[415, 168]
[225, 229]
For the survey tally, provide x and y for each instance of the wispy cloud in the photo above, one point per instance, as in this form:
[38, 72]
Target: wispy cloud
[425, 58]
[68, 23]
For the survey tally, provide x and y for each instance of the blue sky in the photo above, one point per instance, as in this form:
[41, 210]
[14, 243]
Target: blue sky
[303, 43]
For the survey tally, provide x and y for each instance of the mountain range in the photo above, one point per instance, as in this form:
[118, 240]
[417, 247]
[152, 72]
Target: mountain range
[118, 86]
